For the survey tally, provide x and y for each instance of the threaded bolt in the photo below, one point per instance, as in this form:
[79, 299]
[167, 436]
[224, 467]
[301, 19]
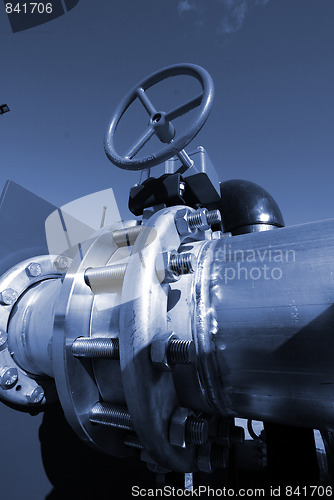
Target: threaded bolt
[213, 217]
[106, 414]
[182, 263]
[8, 297]
[185, 428]
[219, 456]
[34, 269]
[98, 276]
[132, 442]
[180, 352]
[126, 237]
[203, 219]
[8, 377]
[104, 348]
[35, 396]
[196, 431]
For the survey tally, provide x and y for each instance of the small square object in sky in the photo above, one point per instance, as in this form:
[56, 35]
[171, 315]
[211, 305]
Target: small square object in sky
[4, 109]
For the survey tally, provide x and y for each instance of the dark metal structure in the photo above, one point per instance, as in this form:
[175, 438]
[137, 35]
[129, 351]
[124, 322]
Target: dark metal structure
[4, 109]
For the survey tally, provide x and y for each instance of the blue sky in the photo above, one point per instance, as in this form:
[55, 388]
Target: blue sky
[271, 61]
[272, 121]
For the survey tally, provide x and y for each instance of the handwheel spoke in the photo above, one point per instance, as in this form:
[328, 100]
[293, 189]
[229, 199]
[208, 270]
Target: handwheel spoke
[140, 143]
[146, 101]
[184, 108]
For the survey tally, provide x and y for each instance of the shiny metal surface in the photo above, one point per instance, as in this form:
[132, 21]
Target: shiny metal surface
[81, 382]
[150, 393]
[266, 303]
[244, 204]
[27, 320]
[160, 122]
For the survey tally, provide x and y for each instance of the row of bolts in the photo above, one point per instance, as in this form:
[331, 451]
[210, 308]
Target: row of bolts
[178, 351]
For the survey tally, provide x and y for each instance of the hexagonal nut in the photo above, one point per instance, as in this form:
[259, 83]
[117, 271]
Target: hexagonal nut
[8, 377]
[35, 395]
[158, 351]
[204, 462]
[8, 297]
[3, 339]
[61, 263]
[217, 235]
[177, 427]
[34, 269]
[181, 222]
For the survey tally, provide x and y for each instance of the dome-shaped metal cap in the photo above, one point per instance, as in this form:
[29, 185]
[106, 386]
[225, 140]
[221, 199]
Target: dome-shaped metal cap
[246, 206]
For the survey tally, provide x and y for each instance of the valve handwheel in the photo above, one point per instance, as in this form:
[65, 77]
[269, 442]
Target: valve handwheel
[160, 122]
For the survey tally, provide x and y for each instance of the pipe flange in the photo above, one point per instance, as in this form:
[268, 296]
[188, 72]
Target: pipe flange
[150, 393]
[17, 386]
[89, 309]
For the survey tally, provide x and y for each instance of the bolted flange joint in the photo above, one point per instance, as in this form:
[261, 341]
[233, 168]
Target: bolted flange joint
[170, 266]
[188, 222]
[168, 350]
[187, 428]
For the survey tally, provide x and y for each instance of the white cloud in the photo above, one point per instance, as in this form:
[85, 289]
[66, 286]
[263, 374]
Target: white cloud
[230, 14]
[185, 6]
[233, 15]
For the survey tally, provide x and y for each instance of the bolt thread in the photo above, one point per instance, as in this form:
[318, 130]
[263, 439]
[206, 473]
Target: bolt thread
[132, 442]
[98, 276]
[179, 352]
[182, 263]
[126, 237]
[195, 221]
[213, 217]
[96, 348]
[105, 414]
[196, 430]
[219, 457]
